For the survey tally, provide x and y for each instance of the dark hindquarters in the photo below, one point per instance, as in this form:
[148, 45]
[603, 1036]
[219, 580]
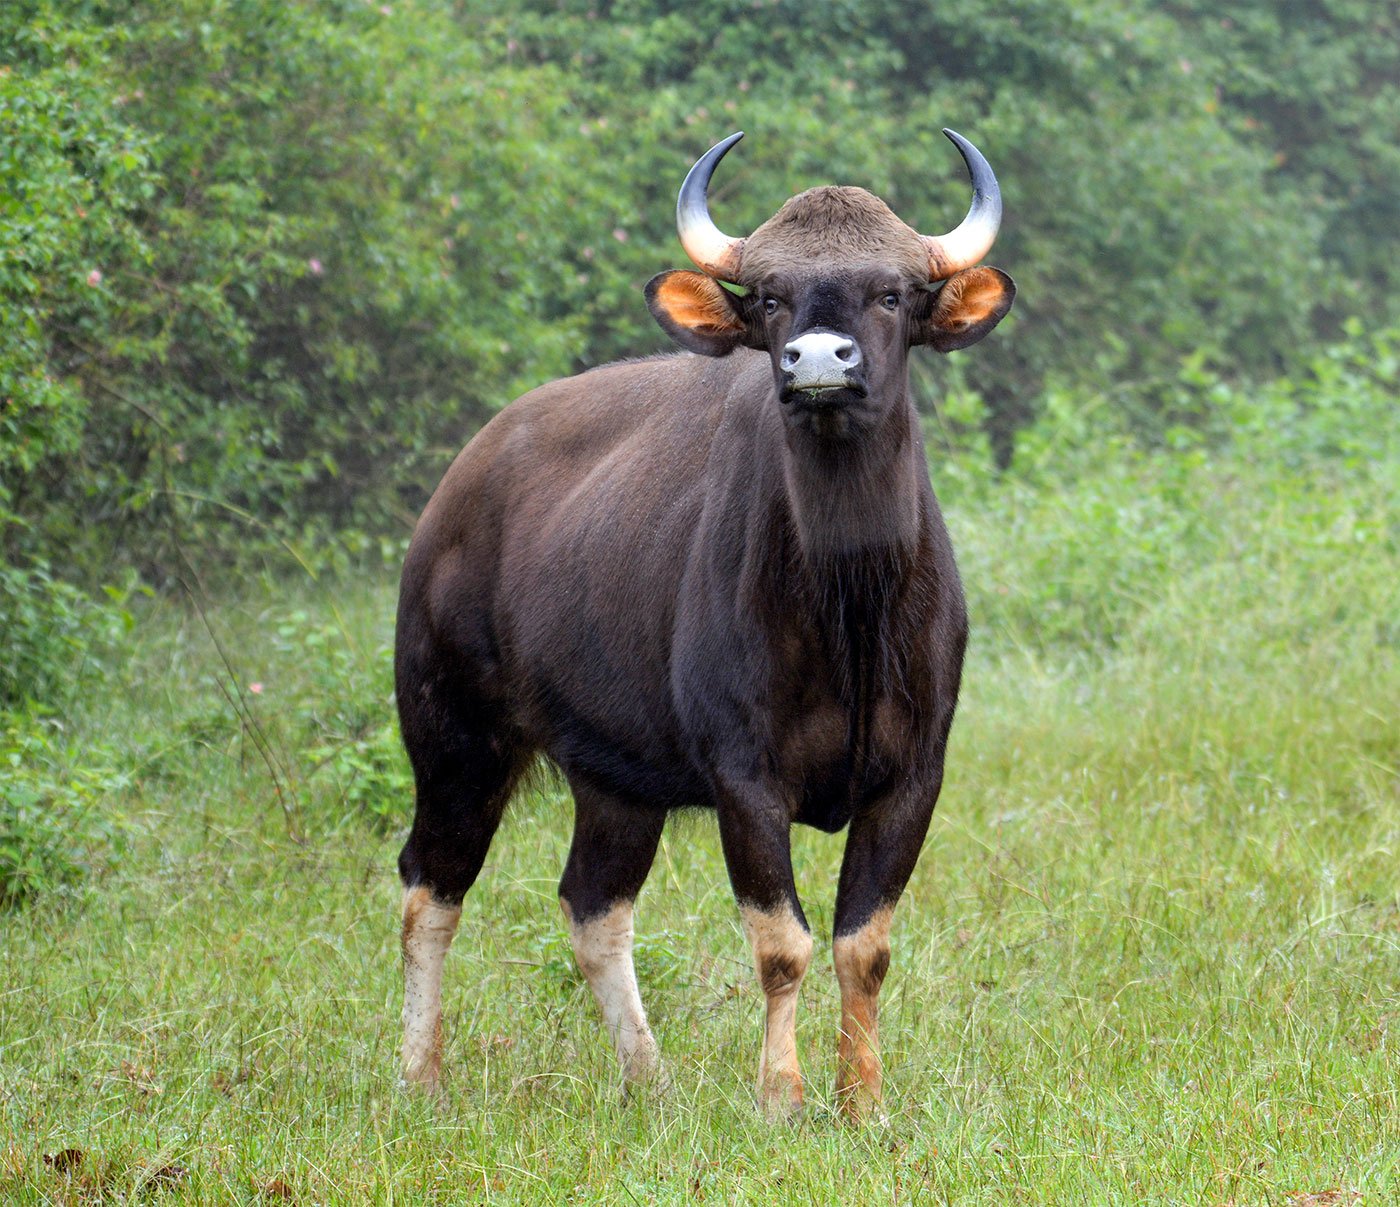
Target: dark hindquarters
[466, 761]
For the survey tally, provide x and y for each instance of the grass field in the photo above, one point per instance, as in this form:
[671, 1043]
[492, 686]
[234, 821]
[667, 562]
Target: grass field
[1151, 953]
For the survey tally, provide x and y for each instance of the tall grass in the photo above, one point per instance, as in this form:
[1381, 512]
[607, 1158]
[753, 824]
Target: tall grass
[1151, 952]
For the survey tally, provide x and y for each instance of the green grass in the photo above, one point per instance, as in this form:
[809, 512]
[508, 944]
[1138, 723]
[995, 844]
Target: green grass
[1151, 952]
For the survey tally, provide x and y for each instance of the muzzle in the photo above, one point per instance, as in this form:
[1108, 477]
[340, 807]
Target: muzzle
[820, 360]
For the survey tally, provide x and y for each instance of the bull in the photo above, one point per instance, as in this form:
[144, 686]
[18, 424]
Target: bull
[717, 578]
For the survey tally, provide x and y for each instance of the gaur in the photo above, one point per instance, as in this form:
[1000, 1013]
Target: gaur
[716, 578]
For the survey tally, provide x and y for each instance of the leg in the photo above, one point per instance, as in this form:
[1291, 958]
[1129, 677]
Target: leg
[757, 851]
[428, 928]
[862, 959]
[463, 783]
[612, 853]
[881, 850]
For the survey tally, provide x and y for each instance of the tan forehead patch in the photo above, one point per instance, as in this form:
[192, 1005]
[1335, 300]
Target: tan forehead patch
[833, 225]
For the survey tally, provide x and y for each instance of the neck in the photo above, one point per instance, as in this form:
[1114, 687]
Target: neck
[860, 514]
[859, 495]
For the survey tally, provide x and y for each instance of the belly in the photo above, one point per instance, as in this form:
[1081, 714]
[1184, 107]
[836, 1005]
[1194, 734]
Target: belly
[617, 743]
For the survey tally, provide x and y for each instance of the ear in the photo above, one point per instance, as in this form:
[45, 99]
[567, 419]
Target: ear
[697, 312]
[968, 306]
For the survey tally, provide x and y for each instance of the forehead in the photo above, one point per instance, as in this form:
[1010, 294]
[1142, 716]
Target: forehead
[830, 230]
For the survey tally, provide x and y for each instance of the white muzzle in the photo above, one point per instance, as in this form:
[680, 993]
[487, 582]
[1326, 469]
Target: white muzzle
[820, 360]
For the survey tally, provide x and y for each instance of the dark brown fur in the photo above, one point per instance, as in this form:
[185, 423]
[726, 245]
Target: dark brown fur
[873, 976]
[777, 973]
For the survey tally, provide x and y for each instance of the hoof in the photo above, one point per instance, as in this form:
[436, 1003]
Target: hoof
[861, 1106]
[780, 1098]
[422, 1081]
[642, 1063]
[649, 1084]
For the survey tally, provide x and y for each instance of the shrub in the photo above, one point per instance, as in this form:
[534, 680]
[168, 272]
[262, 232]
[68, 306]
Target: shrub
[368, 775]
[60, 814]
[279, 260]
[338, 714]
[55, 633]
[1091, 529]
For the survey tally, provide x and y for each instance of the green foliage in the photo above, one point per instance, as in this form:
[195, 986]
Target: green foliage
[1094, 530]
[265, 267]
[322, 284]
[300, 325]
[1147, 956]
[56, 635]
[1338, 409]
[1139, 226]
[339, 721]
[279, 260]
[71, 174]
[46, 627]
[1317, 86]
[59, 813]
[369, 774]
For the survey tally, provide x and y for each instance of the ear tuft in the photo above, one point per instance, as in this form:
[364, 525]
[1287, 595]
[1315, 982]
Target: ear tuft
[697, 312]
[968, 306]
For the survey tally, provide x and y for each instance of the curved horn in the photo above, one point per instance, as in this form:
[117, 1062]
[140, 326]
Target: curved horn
[972, 238]
[714, 251]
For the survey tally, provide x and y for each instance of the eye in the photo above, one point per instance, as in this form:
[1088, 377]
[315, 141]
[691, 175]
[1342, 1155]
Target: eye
[890, 301]
[770, 306]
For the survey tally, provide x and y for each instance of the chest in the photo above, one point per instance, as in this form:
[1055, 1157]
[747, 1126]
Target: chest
[832, 758]
[828, 688]
[846, 719]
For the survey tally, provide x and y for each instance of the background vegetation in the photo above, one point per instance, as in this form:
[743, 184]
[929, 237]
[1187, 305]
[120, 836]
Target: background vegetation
[263, 269]
[281, 258]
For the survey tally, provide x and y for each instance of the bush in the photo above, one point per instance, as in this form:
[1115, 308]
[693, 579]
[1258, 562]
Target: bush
[337, 712]
[367, 775]
[311, 281]
[72, 176]
[1090, 530]
[55, 633]
[279, 261]
[59, 808]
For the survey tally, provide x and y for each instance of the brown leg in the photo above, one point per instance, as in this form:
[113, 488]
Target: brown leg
[881, 850]
[754, 830]
[862, 959]
[612, 852]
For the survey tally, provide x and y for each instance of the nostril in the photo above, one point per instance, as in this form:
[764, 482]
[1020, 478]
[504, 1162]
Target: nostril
[845, 351]
[791, 355]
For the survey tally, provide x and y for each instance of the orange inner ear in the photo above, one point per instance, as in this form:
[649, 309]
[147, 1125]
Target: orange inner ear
[697, 302]
[967, 299]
